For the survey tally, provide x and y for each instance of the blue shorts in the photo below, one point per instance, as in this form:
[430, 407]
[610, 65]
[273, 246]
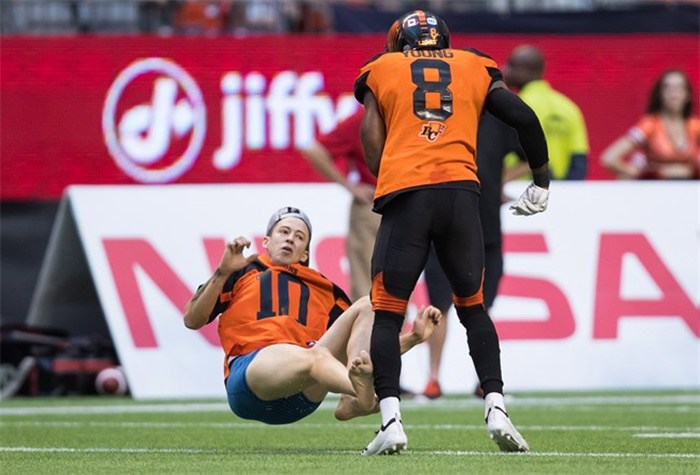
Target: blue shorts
[247, 405]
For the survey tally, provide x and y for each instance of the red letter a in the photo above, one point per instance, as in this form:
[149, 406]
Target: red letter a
[610, 307]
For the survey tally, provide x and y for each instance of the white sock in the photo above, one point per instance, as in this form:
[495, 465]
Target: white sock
[389, 407]
[494, 399]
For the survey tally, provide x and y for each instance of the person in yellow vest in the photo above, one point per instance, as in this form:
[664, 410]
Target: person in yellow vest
[561, 119]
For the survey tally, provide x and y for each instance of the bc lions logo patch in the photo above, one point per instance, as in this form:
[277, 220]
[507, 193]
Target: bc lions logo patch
[432, 130]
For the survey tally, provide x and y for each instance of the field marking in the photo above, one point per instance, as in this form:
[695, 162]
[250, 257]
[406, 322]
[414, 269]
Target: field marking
[116, 409]
[649, 431]
[108, 450]
[533, 401]
[457, 453]
[669, 435]
[566, 454]
[156, 407]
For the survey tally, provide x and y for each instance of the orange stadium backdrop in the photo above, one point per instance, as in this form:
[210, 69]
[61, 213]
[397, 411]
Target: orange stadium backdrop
[125, 110]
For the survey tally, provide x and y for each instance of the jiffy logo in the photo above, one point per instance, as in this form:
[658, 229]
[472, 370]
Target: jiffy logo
[141, 137]
[158, 141]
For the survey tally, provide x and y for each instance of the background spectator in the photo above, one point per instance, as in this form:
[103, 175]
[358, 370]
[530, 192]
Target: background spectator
[201, 17]
[561, 118]
[666, 138]
[156, 16]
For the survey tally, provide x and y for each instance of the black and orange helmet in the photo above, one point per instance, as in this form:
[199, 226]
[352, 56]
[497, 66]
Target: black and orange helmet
[418, 29]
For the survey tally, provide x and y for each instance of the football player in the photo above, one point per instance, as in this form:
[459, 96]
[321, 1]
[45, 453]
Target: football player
[423, 101]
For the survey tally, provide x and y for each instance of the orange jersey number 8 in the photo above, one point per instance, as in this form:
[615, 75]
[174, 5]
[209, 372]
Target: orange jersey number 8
[432, 99]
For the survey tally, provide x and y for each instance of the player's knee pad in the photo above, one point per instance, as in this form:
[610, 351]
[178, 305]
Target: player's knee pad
[476, 299]
[472, 299]
[384, 300]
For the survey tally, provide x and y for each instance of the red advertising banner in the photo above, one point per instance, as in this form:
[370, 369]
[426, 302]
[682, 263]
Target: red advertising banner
[125, 110]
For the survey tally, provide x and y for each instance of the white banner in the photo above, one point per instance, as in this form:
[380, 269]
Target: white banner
[601, 291]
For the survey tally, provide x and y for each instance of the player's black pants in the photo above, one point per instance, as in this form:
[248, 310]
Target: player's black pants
[449, 218]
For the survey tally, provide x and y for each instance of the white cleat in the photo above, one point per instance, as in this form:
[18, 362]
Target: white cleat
[390, 439]
[503, 432]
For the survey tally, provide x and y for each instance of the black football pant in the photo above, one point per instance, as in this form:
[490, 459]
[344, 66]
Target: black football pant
[449, 219]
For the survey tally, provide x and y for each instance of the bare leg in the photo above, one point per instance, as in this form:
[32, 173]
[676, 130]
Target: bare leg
[365, 402]
[345, 339]
[349, 408]
[362, 379]
[321, 369]
[361, 332]
[348, 340]
[350, 332]
[315, 368]
[360, 367]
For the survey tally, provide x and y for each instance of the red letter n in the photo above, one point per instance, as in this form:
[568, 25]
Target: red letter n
[124, 256]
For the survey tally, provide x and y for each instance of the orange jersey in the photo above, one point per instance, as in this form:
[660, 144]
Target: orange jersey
[650, 133]
[431, 102]
[264, 304]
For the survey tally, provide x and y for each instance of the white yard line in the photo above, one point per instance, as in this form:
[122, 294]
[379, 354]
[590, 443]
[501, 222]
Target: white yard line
[649, 431]
[134, 408]
[107, 450]
[669, 435]
[567, 454]
[156, 407]
[455, 453]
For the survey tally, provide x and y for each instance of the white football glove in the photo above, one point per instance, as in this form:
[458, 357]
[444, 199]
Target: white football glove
[533, 200]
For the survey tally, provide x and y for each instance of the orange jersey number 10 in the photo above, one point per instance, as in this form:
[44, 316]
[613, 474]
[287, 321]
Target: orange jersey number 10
[283, 300]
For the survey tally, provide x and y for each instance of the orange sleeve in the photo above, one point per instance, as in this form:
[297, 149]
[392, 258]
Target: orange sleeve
[643, 129]
[694, 130]
[694, 139]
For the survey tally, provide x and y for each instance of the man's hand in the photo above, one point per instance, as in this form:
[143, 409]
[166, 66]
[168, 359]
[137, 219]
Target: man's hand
[202, 303]
[423, 327]
[533, 200]
[426, 321]
[233, 258]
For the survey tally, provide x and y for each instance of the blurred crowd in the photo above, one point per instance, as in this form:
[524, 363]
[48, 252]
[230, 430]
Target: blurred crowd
[240, 17]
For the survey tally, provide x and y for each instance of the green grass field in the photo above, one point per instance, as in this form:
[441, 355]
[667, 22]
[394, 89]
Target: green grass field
[611, 432]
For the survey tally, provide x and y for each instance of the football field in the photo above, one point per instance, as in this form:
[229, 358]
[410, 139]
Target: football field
[607, 432]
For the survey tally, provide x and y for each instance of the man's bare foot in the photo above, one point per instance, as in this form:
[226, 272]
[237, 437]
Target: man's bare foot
[349, 408]
[361, 373]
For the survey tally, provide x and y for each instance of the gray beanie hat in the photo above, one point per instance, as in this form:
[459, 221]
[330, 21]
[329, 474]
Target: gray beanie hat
[288, 212]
